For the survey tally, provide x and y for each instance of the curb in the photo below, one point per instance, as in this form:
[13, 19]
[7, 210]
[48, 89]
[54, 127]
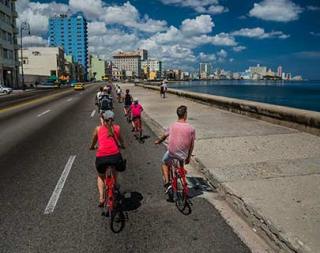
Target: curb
[261, 225]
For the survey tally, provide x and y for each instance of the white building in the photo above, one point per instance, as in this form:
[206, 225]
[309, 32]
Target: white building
[130, 62]
[257, 72]
[9, 62]
[43, 62]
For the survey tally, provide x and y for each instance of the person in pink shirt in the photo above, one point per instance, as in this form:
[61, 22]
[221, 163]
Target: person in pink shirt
[136, 110]
[180, 144]
[109, 141]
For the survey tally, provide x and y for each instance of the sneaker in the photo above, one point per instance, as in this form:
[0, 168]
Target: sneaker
[168, 188]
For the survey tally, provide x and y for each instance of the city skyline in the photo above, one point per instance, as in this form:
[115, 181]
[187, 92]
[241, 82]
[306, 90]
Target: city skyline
[182, 34]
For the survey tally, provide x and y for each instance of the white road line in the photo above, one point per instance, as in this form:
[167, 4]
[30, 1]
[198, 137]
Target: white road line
[93, 113]
[69, 99]
[58, 189]
[43, 113]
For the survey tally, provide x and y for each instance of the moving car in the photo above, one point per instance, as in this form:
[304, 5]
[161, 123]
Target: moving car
[48, 85]
[78, 86]
[4, 89]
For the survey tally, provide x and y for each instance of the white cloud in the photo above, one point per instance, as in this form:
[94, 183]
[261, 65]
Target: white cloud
[91, 8]
[313, 8]
[128, 15]
[317, 34]
[199, 25]
[37, 14]
[201, 6]
[259, 33]
[29, 41]
[96, 28]
[222, 53]
[239, 48]
[308, 54]
[203, 57]
[276, 10]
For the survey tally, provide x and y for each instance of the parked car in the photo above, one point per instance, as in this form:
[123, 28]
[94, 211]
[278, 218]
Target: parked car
[4, 89]
[48, 85]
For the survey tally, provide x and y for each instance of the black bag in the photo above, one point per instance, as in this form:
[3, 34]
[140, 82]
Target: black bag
[122, 165]
[105, 103]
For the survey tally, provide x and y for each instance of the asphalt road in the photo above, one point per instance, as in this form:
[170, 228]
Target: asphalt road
[34, 149]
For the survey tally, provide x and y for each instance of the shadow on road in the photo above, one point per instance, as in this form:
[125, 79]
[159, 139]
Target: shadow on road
[197, 186]
[131, 201]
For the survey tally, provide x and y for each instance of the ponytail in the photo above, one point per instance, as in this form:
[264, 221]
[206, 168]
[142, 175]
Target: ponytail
[108, 124]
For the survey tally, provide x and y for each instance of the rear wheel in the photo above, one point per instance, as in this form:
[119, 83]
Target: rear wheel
[181, 198]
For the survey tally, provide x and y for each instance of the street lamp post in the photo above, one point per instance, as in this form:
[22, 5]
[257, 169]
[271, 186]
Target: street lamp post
[24, 27]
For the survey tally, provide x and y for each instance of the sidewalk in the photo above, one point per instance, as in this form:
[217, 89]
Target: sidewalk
[270, 174]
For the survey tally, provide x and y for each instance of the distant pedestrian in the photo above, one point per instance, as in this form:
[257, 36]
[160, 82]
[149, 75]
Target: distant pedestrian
[163, 89]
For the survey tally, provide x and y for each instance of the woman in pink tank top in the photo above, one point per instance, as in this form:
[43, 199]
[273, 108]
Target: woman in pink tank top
[109, 141]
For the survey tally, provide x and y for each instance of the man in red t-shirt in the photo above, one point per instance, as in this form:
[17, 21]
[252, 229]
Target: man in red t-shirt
[180, 145]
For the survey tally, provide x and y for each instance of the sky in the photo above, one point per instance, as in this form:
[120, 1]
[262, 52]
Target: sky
[229, 34]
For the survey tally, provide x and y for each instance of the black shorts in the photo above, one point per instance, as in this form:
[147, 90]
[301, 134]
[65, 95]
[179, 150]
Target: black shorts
[104, 161]
[135, 118]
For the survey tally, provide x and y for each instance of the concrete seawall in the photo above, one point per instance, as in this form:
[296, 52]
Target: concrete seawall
[303, 120]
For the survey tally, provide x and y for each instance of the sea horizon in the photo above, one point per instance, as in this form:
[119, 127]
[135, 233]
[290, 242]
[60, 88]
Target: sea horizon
[303, 94]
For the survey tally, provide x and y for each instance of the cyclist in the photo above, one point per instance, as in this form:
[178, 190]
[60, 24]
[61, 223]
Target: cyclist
[98, 96]
[136, 110]
[105, 102]
[180, 145]
[109, 140]
[127, 102]
[119, 91]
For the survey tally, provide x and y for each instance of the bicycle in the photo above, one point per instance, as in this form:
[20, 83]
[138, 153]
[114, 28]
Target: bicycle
[137, 127]
[112, 204]
[180, 190]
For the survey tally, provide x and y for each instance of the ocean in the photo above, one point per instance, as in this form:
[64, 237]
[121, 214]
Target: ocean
[297, 94]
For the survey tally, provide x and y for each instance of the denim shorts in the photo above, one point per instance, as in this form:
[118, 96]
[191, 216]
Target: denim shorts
[167, 159]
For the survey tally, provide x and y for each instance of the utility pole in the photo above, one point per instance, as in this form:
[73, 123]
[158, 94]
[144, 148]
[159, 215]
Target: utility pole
[23, 27]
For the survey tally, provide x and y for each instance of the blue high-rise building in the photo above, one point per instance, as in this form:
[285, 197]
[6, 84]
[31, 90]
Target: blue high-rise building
[71, 33]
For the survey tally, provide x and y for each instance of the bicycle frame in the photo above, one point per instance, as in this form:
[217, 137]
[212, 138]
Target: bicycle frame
[110, 183]
[178, 170]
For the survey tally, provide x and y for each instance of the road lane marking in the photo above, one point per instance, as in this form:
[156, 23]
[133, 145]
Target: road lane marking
[69, 99]
[34, 101]
[93, 113]
[43, 113]
[58, 189]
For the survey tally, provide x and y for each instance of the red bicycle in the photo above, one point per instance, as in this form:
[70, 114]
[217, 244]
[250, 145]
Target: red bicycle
[112, 203]
[180, 190]
[137, 127]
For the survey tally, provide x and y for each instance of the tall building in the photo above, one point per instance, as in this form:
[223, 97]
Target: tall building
[71, 33]
[9, 62]
[204, 70]
[129, 62]
[143, 53]
[279, 71]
